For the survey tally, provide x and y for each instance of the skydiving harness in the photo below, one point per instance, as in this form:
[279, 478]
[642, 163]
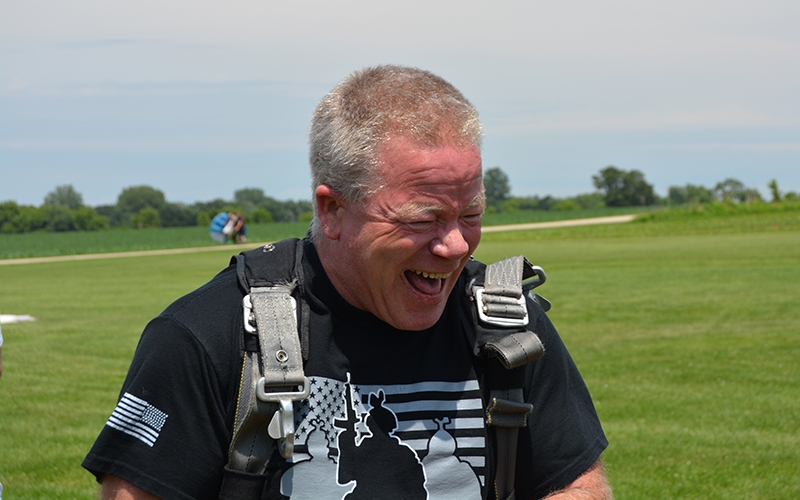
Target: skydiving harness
[275, 345]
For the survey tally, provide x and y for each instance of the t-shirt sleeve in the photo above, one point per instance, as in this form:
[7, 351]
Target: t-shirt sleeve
[168, 434]
[563, 437]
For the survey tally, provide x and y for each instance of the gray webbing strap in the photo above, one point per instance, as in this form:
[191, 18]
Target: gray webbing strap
[269, 384]
[503, 289]
[504, 277]
[277, 335]
[282, 380]
[251, 445]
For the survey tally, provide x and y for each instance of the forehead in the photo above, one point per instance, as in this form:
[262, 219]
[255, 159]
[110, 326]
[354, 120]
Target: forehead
[416, 180]
[403, 162]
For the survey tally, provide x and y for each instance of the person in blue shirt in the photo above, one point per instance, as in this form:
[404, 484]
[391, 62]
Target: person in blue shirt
[227, 227]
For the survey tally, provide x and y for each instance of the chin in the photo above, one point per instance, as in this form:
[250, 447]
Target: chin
[417, 321]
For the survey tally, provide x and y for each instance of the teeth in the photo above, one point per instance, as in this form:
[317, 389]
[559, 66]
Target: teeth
[433, 276]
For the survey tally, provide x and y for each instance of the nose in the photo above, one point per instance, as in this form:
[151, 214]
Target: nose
[450, 243]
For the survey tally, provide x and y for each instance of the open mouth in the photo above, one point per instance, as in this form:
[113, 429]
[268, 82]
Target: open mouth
[425, 282]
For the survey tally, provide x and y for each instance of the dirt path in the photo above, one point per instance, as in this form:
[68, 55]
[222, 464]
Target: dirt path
[616, 219]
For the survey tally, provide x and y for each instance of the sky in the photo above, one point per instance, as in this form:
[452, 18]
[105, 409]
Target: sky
[200, 98]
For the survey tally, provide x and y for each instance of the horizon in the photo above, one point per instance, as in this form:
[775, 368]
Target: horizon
[766, 196]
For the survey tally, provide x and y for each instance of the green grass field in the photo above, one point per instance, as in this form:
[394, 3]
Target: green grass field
[687, 334]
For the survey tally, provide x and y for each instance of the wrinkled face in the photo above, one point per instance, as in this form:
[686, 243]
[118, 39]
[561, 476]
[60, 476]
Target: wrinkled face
[398, 254]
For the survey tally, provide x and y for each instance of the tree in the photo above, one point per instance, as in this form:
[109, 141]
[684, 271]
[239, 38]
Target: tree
[112, 214]
[495, 182]
[146, 217]
[752, 194]
[589, 201]
[776, 193]
[260, 216]
[689, 194]
[133, 199]
[64, 196]
[22, 218]
[730, 190]
[177, 215]
[87, 219]
[515, 203]
[249, 196]
[60, 218]
[566, 204]
[285, 211]
[624, 188]
[8, 210]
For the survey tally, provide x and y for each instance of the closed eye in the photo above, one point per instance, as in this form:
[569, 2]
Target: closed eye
[472, 219]
[421, 225]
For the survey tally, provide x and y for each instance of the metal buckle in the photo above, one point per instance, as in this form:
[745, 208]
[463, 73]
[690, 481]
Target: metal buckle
[281, 427]
[247, 305]
[276, 397]
[538, 279]
[499, 320]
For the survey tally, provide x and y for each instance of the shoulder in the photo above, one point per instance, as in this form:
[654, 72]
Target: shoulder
[215, 301]
[209, 318]
[270, 264]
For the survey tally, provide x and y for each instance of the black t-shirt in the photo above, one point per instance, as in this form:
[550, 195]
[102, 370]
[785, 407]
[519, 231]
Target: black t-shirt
[392, 414]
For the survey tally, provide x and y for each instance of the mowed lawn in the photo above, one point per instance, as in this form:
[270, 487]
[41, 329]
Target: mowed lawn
[689, 344]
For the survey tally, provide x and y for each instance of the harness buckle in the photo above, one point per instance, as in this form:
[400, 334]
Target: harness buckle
[276, 397]
[281, 427]
[501, 310]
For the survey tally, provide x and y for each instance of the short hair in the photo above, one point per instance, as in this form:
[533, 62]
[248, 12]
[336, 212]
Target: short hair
[369, 107]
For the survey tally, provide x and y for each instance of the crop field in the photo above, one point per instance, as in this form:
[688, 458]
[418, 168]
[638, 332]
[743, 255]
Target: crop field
[687, 333]
[46, 244]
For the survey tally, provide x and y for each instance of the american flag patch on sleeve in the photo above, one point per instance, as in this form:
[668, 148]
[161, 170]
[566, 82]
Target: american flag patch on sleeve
[138, 418]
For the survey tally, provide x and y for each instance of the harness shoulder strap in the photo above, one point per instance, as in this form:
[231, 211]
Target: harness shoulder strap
[272, 372]
[505, 345]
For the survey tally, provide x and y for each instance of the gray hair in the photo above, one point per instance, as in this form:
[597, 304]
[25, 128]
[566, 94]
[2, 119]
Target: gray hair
[369, 107]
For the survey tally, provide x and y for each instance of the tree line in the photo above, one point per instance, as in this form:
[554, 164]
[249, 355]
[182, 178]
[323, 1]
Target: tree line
[624, 188]
[144, 206]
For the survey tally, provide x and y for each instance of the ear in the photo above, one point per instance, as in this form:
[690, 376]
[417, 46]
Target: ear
[330, 210]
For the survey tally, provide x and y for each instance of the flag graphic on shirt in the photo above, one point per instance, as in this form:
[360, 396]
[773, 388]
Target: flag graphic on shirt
[138, 418]
[442, 422]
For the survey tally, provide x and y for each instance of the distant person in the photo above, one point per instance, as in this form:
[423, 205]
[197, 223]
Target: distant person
[228, 227]
[219, 224]
[239, 233]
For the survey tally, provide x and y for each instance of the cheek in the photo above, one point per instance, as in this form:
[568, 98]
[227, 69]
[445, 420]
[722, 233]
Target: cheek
[382, 254]
[472, 235]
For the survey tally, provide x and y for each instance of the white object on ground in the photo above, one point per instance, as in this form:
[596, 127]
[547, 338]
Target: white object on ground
[15, 318]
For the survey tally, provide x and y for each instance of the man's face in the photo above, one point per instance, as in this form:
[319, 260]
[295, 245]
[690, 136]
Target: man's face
[401, 251]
